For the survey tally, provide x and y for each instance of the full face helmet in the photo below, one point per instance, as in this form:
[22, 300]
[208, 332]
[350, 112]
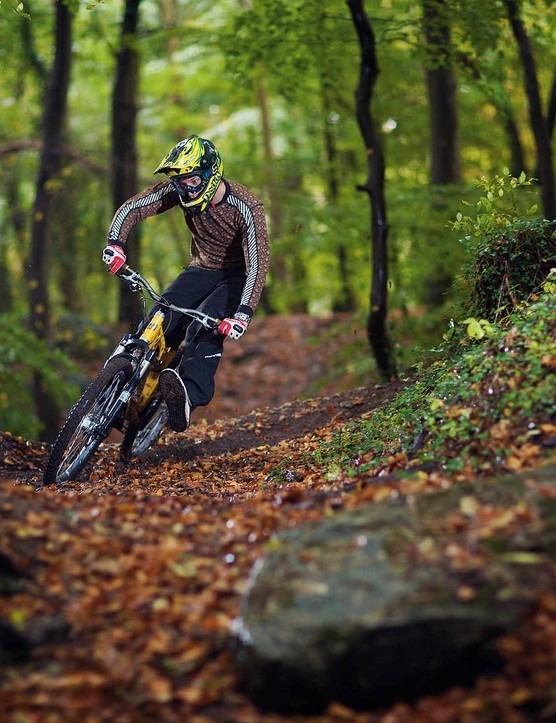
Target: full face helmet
[193, 157]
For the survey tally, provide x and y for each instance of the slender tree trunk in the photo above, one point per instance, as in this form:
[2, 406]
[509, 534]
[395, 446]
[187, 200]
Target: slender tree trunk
[551, 115]
[442, 89]
[124, 151]
[6, 295]
[445, 166]
[504, 110]
[49, 166]
[517, 156]
[279, 269]
[374, 187]
[346, 300]
[539, 125]
[18, 218]
[273, 193]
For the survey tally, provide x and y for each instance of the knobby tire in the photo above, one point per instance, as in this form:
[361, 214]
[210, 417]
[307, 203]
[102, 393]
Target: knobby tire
[139, 437]
[77, 441]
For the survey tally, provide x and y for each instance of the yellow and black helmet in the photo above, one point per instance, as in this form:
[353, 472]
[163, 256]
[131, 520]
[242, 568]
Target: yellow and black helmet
[193, 156]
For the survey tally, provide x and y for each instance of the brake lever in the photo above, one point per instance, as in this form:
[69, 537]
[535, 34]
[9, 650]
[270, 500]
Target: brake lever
[126, 273]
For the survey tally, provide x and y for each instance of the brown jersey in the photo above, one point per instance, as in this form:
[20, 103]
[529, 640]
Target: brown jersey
[230, 235]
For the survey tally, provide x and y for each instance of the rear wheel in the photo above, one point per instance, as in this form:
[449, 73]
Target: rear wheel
[83, 432]
[140, 437]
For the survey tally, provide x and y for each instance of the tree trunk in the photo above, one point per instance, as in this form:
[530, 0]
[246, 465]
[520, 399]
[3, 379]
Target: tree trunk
[504, 109]
[374, 187]
[442, 89]
[517, 156]
[274, 196]
[346, 299]
[551, 115]
[538, 123]
[6, 297]
[124, 152]
[17, 215]
[49, 166]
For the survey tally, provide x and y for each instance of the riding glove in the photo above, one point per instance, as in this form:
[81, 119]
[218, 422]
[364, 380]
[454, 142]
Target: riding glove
[234, 327]
[114, 257]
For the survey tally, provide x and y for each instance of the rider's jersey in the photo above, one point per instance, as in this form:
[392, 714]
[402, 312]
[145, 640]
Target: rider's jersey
[230, 235]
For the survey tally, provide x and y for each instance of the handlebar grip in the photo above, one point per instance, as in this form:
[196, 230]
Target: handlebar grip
[124, 271]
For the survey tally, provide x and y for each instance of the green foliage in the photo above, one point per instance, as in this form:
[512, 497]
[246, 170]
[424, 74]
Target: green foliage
[497, 208]
[21, 355]
[17, 7]
[461, 410]
[508, 257]
[207, 67]
[510, 266]
[477, 329]
[81, 339]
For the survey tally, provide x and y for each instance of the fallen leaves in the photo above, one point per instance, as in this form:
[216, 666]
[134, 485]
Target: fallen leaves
[147, 565]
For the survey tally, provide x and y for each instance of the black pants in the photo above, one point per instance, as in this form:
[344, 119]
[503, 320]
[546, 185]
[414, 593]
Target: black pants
[216, 293]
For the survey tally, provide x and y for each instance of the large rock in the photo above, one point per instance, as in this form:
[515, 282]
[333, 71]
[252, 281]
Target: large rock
[372, 605]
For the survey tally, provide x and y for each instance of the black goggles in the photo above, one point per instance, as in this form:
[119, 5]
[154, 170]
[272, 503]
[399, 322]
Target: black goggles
[182, 184]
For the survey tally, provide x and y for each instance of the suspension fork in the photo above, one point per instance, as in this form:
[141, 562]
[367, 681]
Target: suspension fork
[152, 338]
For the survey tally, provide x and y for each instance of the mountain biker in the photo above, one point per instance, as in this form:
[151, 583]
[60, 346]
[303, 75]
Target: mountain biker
[230, 257]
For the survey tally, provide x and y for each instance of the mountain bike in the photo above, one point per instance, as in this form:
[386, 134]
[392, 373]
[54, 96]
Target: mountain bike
[124, 395]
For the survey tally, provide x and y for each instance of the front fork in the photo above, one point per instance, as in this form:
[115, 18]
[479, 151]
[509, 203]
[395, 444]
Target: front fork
[152, 340]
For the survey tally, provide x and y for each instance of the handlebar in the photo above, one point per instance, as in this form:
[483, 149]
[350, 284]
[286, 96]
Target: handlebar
[137, 282]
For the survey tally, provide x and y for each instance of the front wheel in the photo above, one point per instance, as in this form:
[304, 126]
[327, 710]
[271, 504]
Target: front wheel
[88, 423]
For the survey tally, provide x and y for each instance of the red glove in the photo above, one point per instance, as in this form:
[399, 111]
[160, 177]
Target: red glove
[235, 327]
[115, 257]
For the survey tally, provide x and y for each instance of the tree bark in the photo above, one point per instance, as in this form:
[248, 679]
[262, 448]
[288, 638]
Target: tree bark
[124, 150]
[274, 195]
[505, 112]
[442, 90]
[346, 299]
[47, 183]
[374, 187]
[517, 156]
[17, 215]
[551, 115]
[538, 123]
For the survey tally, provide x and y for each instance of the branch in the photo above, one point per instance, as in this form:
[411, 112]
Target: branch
[31, 144]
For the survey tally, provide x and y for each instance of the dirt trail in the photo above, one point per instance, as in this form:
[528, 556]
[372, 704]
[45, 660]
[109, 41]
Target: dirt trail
[131, 577]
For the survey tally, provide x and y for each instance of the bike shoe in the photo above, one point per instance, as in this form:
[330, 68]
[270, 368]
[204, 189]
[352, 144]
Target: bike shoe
[175, 395]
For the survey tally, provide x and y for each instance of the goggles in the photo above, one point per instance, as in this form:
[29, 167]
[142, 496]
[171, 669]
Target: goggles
[183, 184]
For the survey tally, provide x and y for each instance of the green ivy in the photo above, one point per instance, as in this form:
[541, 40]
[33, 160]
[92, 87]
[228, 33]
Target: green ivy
[508, 256]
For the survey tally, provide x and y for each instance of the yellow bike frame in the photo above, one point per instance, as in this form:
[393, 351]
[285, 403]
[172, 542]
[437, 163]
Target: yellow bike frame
[153, 335]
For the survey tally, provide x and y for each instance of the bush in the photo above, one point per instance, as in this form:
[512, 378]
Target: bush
[509, 266]
[21, 355]
[509, 256]
[469, 409]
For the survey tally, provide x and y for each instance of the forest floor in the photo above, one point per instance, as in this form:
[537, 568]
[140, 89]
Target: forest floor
[126, 584]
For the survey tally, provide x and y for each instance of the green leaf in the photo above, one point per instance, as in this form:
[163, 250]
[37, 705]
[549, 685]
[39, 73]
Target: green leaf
[474, 328]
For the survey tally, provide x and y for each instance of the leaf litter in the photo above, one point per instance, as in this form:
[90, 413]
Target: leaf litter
[131, 578]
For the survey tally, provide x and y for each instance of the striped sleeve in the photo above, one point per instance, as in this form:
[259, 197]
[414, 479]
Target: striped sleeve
[154, 200]
[256, 249]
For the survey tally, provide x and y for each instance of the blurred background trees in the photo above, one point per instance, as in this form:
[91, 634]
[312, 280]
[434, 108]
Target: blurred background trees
[464, 89]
